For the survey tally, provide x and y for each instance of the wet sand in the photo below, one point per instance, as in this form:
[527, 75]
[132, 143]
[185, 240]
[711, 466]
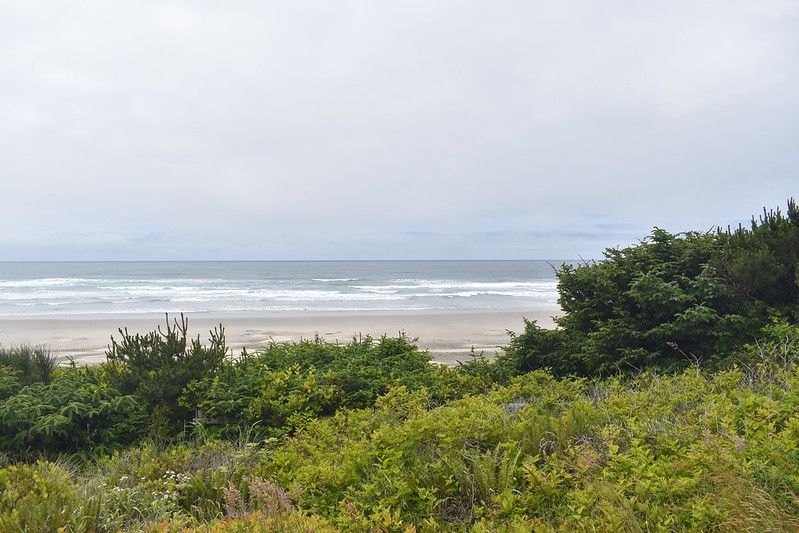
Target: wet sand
[448, 337]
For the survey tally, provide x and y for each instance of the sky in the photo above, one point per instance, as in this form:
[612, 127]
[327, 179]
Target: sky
[434, 129]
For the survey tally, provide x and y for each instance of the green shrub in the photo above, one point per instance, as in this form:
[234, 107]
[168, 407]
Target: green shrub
[760, 262]
[26, 503]
[668, 302]
[273, 402]
[75, 413]
[50, 497]
[283, 386]
[655, 452]
[9, 382]
[158, 366]
[691, 451]
[361, 369]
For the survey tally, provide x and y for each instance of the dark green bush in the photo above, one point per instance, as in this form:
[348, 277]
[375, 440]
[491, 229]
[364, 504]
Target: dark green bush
[9, 382]
[361, 369]
[284, 385]
[759, 262]
[74, 413]
[158, 366]
[670, 301]
[658, 304]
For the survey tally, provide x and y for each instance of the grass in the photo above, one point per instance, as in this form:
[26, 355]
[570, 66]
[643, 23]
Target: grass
[34, 363]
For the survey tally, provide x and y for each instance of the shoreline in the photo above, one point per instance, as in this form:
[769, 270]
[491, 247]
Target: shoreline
[448, 337]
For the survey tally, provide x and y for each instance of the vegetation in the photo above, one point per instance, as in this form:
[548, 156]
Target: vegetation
[157, 367]
[759, 262]
[667, 399]
[284, 386]
[668, 302]
[34, 363]
[74, 413]
[690, 451]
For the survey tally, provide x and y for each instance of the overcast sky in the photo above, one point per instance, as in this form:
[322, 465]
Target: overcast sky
[426, 129]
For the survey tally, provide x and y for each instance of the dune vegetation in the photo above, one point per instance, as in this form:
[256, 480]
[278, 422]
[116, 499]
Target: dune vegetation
[666, 399]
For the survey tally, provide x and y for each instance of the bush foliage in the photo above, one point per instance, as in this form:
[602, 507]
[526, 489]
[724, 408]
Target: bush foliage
[667, 302]
[158, 366]
[74, 413]
[759, 262]
[692, 451]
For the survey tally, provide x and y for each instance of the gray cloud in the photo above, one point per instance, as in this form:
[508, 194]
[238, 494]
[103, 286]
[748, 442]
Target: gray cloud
[362, 130]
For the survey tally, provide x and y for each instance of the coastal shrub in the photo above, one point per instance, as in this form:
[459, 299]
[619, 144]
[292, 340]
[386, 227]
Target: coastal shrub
[9, 382]
[657, 304]
[185, 483]
[441, 463]
[48, 496]
[668, 302]
[535, 348]
[157, 367]
[656, 452]
[35, 364]
[760, 262]
[37, 497]
[283, 386]
[691, 451]
[74, 413]
[272, 402]
[362, 369]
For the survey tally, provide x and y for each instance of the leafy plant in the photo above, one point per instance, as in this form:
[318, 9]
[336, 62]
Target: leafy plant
[284, 386]
[9, 382]
[75, 413]
[659, 304]
[691, 451]
[361, 369]
[760, 262]
[158, 366]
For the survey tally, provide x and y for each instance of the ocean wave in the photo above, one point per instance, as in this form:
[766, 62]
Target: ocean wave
[454, 284]
[45, 282]
[359, 288]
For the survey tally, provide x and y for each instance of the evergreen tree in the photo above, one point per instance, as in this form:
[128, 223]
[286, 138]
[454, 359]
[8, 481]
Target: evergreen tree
[760, 262]
[158, 366]
[668, 301]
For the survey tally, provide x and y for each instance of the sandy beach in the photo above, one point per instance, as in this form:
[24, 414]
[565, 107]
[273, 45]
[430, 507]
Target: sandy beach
[448, 337]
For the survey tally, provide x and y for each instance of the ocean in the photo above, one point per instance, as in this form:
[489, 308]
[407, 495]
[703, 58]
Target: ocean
[273, 288]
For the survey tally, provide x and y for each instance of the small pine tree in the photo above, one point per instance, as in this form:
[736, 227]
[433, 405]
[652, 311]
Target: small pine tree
[158, 366]
[760, 261]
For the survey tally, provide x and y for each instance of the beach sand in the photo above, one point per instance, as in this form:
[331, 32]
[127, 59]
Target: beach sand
[448, 337]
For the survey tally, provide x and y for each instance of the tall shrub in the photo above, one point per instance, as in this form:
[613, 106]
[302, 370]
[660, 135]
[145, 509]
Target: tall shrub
[670, 300]
[158, 366]
[74, 413]
[759, 262]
